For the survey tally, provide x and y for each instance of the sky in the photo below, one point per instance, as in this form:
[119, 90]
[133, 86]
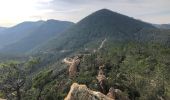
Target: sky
[13, 12]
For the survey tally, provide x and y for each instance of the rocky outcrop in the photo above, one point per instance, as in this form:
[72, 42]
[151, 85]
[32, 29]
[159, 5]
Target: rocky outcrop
[111, 93]
[2, 99]
[81, 92]
[116, 94]
[101, 75]
[73, 65]
[102, 79]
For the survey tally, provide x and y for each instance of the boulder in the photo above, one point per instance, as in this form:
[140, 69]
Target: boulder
[116, 94]
[81, 92]
[111, 93]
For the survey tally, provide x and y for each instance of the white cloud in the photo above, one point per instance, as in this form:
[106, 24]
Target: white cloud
[15, 11]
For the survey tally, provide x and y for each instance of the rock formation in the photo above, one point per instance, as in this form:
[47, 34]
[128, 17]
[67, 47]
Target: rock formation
[81, 92]
[102, 79]
[111, 93]
[73, 65]
[116, 94]
[2, 99]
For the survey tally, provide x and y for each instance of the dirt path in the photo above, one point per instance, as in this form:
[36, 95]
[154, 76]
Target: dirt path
[65, 60]
[74, 62]
[101, 46]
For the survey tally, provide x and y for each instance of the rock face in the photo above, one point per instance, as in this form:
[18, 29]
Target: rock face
[2, 99]
[73, 65]
[116, 94]
[111, 93]
[81, 92]
[102, 79]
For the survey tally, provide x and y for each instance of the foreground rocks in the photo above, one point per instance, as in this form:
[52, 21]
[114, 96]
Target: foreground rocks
[2, 99]
[81, 92]
[116, 94]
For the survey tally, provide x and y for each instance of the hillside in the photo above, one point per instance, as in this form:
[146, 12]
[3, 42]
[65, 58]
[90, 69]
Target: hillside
[97, 26]
[18, 32]
[2, 29]
[161, 36]
[163, 26]
[29, 37]
[105, 55]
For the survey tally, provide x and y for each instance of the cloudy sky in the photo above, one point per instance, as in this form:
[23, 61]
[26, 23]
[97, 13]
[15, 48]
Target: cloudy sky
[16, 11]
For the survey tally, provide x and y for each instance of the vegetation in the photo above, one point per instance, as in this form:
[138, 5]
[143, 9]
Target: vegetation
[12, 80]
[140, 71]
[25, 37]
[135, 58]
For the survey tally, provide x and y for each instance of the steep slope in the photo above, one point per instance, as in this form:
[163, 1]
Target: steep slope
[47, 30]
[99, 25]
[18, 32]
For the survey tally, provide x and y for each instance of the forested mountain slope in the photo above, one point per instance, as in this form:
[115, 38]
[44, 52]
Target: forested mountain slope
[105, 51]
[40, 34]
[2, 29]
[99, 25]
[18, 32]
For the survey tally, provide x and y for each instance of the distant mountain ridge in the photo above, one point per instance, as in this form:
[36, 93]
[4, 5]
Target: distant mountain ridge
[18, 32]
[52, 35]
[97, 26]
[2, 29]
[162, 26]
[27, 35]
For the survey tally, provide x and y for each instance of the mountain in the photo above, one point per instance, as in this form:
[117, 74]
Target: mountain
[37, 36]
[18, 32]
[2, 29]
[163, 26]
[108, 52]
[97, 26]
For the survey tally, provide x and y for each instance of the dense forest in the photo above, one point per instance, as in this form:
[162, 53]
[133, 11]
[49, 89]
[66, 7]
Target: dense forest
[141, 71]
